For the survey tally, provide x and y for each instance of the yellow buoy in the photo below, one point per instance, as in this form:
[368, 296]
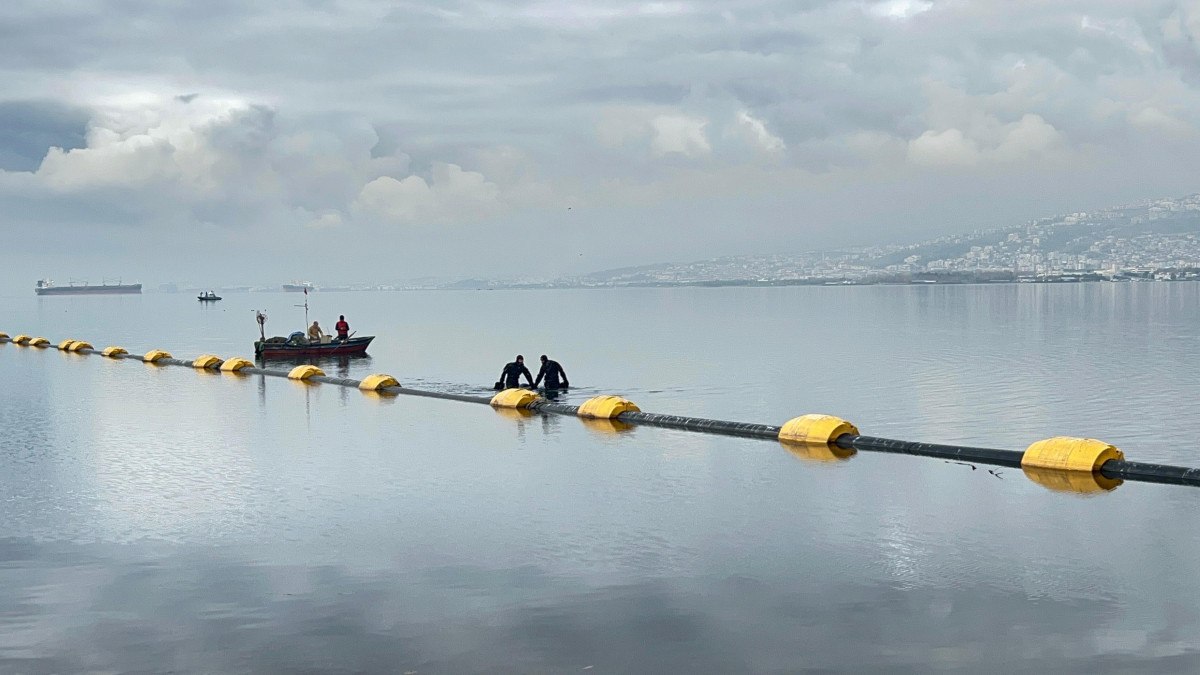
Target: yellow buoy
[79, 344]
[514, 398]
[1069, 454]
[377, 381]
[113, 351]
[820, 430]
[206, 361]
[607, 407]
[235, 364]
[304, 372]
[154, 355]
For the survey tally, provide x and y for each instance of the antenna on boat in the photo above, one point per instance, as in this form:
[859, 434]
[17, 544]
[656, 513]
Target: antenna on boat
[305, 305]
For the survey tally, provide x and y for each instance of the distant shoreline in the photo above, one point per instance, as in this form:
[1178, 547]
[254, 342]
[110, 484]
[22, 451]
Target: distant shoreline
[788, 283]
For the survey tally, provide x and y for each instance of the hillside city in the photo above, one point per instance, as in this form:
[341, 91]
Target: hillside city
[1158, 239]
[1155, 239]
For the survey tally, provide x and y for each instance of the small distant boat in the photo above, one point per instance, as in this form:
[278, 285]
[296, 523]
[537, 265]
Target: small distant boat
[298, 345]
[298, 286]
[208, 296]
[47, 287]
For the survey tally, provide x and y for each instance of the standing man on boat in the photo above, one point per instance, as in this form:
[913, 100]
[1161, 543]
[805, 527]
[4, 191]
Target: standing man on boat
[556, 377]
[342, 328]
[315, 332]
[510, 377]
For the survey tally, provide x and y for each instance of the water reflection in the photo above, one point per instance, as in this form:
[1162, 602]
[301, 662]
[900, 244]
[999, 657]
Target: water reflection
[152, 519]
[339, 365]
[204, 611]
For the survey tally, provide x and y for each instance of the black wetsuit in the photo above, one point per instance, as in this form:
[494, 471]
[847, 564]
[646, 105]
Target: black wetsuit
[552, 372]
[511, 375]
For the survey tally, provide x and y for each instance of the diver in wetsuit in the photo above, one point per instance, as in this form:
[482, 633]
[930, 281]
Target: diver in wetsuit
[510, 377]
[552, 371]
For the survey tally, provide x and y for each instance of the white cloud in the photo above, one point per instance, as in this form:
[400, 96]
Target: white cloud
[943, 148]
[754, 132]
[659, 131]
[1030, 138]
[451, 195]
[679, 134]
[140, 139]
[900, 9]
[518, 108]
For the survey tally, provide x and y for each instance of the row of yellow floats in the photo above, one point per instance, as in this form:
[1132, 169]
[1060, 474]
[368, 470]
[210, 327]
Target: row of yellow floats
[1060, 463]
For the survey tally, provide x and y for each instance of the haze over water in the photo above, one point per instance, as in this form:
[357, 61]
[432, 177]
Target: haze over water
[159, 519]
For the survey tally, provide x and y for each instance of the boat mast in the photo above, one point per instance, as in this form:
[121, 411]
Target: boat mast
[305, 308]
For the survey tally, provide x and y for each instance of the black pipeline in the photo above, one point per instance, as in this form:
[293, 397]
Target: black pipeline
[1060, 463]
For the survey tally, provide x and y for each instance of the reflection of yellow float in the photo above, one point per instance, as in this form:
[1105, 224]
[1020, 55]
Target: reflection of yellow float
[1079, 482]
[604, 425]
[817, 453]
[514, 413]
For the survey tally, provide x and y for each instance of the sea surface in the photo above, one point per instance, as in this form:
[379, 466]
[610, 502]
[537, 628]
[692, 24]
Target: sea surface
[159, 519]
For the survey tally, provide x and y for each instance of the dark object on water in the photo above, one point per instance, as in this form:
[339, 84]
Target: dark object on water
[208, 296]
[272, 349]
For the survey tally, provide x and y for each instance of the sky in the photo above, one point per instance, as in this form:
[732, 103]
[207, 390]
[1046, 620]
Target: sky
[338, 141]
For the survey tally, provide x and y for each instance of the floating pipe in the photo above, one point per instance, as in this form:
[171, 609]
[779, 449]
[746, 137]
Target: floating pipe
[1114, 469]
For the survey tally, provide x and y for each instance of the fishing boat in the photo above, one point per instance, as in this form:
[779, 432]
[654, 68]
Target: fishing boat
[208, 296]
[298, 344]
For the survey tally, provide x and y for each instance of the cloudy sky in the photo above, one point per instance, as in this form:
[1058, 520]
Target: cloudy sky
[344, 140]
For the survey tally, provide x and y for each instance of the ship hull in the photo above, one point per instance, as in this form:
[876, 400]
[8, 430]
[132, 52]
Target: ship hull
[281, 350]
[114, 289]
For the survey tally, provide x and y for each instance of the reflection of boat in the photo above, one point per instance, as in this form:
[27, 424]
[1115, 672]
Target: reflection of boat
[208, 296]
[298, 345]
[47, 287]
[298, 286]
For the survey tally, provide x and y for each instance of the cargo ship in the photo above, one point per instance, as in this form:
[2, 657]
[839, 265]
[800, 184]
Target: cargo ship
[298, 286]
[47, 287]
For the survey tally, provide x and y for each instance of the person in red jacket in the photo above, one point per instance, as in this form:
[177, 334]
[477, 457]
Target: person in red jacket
[342, 328]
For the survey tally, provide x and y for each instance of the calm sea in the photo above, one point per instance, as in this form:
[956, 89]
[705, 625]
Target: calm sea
[165, 520]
